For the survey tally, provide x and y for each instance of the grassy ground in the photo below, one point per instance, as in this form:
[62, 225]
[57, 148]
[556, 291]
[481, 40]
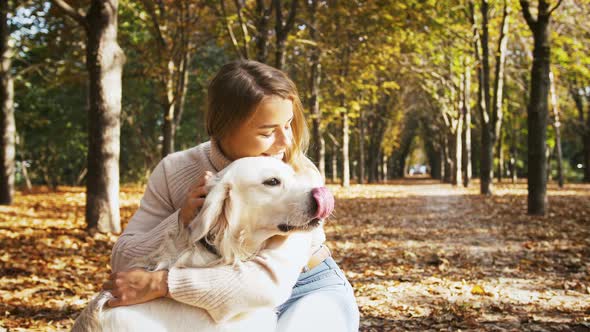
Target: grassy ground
[421, 256]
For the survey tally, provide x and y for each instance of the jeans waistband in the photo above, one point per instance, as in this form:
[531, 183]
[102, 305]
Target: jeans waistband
[327, 264]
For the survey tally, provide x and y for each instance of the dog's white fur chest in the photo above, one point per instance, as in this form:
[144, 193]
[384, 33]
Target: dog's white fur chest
[169, 315]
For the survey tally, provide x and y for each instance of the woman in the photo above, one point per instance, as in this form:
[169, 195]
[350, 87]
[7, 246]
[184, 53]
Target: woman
[253, 110]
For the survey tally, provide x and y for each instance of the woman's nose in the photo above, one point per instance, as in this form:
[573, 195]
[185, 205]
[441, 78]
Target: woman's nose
[284, 139]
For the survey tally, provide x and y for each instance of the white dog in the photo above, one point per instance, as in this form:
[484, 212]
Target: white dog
[250, 201]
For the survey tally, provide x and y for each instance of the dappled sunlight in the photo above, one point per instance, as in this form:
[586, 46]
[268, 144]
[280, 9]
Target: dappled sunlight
[420, 299]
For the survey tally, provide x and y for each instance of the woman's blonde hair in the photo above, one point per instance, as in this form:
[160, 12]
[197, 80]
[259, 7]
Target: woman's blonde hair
[237, 90]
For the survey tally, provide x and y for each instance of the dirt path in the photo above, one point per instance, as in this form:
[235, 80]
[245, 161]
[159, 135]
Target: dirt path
[425, 256]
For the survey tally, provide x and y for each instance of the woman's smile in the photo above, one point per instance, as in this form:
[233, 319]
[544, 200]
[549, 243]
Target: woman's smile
[279, 155]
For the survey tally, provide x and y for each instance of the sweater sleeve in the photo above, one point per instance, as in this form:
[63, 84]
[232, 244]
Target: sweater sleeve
[155, 219]
[264, 281]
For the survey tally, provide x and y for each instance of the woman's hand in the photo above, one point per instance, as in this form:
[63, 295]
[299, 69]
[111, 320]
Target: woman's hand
[194, 199]
[136, 286]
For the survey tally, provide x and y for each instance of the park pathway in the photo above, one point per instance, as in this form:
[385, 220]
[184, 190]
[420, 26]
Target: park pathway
[425, 256]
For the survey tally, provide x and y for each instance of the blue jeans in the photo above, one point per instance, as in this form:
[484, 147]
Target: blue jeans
[322, 300]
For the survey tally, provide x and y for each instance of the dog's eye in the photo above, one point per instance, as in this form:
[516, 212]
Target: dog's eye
[272, 182]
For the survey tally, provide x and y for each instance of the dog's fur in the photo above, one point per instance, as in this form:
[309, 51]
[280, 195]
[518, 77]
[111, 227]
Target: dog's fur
[244, 208]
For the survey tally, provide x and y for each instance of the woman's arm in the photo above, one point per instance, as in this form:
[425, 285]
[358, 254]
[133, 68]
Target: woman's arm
[265, 281]
[155, 219]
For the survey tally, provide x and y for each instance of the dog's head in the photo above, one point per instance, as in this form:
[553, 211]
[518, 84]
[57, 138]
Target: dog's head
[254, 199]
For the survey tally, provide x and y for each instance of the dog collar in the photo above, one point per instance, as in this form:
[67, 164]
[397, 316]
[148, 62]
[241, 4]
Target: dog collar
[208, 246]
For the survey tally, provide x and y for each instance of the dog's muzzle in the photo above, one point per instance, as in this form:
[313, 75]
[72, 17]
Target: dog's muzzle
[322, 205]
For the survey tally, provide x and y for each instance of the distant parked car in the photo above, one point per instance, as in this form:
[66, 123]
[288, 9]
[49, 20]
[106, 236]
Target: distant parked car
[418, 170]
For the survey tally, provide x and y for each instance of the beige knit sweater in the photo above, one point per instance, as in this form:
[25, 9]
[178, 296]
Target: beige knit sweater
[224, 291]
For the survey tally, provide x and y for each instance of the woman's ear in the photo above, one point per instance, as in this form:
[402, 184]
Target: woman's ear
[210, 218]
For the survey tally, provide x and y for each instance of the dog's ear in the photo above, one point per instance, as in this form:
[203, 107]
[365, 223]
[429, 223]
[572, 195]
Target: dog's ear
[211, 218]
[218, 221]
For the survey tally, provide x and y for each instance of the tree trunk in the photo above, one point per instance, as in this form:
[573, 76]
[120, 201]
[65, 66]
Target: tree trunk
[586, 144]
[583, 125]
[548, 156]
[403, 170]
[513, 150]
[556, 127]
[490, 119]
[497, 112]
[457, 156]
[433, 156]
[322, 163]
[262, 30]
[467, 128]
[334, 163]
[182, 87]
[513, 171]
[104, 60]
[384, 168]
[487, 147]
[500, 154]
[345, 159]
[176, 86]
[314, 101]
[443, 160]
[587, 148]
[486, 159]
[435, 169]
[7, 122]
[280, 54]
[538, 109]
[483, 96]
[379, 167]
[373, 162]
[448, 161]
[457, 131]
[28, 183]
[361, 179]
[282, 29]
[168, 129]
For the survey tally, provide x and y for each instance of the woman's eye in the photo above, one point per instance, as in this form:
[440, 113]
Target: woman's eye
[267, 135]
[272, 182]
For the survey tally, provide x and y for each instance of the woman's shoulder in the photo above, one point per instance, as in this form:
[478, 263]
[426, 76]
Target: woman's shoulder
[190, 155]
[194, 158]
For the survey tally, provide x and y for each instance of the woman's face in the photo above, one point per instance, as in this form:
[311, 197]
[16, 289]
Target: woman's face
[266, 133]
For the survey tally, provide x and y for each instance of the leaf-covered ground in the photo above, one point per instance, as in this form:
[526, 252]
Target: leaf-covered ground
[420, 255]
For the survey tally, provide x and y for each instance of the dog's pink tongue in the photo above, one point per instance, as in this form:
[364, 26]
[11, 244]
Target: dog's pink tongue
[325, 201]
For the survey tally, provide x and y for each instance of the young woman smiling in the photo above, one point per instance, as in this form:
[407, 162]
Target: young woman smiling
[253, 110]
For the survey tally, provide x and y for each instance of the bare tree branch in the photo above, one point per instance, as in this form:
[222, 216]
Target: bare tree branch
[527, 13]
[291, 18]
[149, 6]
[244, 28]
[554, 7]
[230, 31]
[77, 15]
